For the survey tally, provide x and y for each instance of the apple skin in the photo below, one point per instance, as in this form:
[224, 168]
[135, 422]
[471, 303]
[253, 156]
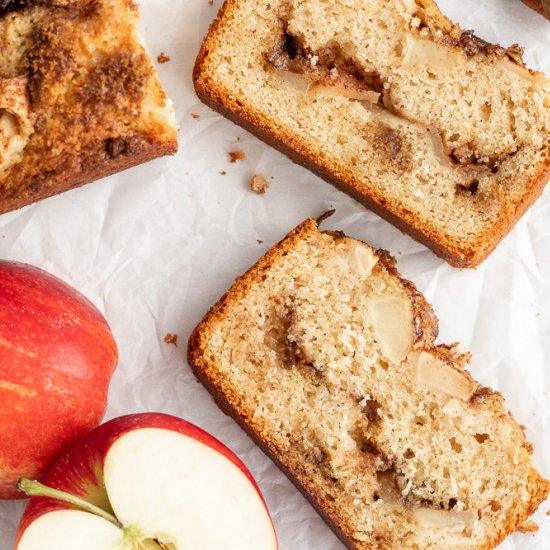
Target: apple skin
[79, 471]
[57, 356]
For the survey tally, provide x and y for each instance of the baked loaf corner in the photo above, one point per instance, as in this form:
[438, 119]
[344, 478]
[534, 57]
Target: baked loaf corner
[79, 97]
[441, 133]
[542, 6]
[326, 357]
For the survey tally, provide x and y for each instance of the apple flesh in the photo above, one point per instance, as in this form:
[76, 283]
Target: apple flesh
[159, 483]
[57, 356]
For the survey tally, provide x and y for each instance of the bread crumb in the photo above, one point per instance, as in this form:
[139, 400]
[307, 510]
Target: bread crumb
[171, 339]
[163, 58]
[195, 115]
[548, 513]
[528, 527]
[223, 172]
[235, 156]
[259, 184]
[261, 242]
[211, 2]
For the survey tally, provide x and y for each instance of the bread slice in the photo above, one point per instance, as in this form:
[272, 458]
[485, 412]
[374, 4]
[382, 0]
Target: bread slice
[79, 97]
[542, 6]
[326, 357]
[441, 133]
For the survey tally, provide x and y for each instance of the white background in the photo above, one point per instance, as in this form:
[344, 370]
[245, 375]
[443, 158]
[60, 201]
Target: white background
[154, 247]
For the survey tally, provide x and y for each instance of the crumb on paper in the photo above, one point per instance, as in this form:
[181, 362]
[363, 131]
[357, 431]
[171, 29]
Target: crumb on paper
[261, 242]
[195, 115]
[259, 184]
[528, 527]
[171, 338]
[211, 2]
[548, 513]
[223, 173]
[163, 58]
[235, 156]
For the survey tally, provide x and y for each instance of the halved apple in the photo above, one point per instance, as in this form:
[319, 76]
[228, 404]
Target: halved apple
[146, 482]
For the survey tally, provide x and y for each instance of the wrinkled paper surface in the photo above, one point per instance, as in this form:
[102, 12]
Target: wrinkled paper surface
[156, 246]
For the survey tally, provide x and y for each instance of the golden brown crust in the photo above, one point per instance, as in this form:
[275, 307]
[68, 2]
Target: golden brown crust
[203, 365]
[95, 104]
[458, 254]
[88, 169]
[542, 6]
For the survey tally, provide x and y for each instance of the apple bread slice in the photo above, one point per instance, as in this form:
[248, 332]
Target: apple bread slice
[441, 133]
[326, 357]
[79, 97]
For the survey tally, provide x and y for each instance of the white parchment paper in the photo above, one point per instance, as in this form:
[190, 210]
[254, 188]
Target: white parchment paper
[154, 247]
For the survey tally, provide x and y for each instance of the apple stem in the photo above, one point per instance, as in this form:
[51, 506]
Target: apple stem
[37, 489]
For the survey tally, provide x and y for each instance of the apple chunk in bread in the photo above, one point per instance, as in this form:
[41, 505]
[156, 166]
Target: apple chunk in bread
[143, 482]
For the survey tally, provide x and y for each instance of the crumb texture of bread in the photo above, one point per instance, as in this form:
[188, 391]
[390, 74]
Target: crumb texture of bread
[444, 134]
[236, 156]
[79, 97]
[326, 356]
[259, 184]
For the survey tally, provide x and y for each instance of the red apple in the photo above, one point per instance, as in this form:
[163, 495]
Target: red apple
[146, 481]
[57, 356]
